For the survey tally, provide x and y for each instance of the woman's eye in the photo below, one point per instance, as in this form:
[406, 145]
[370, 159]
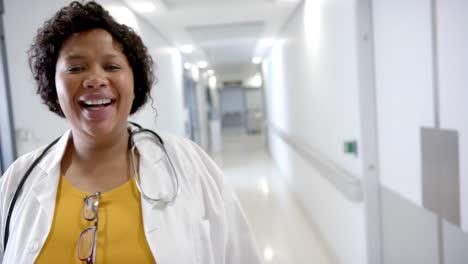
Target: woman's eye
[113, 67]
[74, 69]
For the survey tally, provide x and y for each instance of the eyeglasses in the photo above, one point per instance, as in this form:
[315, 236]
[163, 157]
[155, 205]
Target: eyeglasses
[88, 238]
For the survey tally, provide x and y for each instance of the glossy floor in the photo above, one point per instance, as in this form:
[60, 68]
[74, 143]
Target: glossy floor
[283, 233]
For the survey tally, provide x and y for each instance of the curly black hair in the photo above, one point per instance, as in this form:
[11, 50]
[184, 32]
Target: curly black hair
[79, 17]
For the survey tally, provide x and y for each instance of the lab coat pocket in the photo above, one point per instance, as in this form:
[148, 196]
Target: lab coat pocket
[202, 242]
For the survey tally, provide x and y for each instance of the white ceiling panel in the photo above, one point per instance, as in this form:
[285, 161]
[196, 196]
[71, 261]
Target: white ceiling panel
[214, 33]
[237, 38]
[239, 53]
[222, 32]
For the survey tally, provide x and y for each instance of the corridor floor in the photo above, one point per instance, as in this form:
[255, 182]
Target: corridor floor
[283, 234]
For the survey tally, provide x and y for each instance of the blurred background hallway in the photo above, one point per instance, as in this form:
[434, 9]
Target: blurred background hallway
[283, 232]
[341, 124]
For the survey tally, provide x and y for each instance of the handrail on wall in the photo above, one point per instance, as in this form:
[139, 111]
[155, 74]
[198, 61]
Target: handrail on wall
[345, 182]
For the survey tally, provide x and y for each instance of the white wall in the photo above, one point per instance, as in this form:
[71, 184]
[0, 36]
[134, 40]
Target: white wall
[311, 80]
[403, 59]
[167, 94]
[453, 62]
[405, 69]
[202, 111]
[35, 125]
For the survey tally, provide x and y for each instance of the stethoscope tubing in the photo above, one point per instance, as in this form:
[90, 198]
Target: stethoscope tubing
[18, 190]
[165, 201]
[139, 130]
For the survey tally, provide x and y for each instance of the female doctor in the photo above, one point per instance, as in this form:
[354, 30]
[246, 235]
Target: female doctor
[108, 191]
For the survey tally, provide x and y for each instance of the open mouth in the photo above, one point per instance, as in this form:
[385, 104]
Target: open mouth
[95, 104]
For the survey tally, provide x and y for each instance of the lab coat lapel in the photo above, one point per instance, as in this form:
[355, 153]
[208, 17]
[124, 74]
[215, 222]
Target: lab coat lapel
[149, 211]
[167, 229]
[36, 214]
[46, 184]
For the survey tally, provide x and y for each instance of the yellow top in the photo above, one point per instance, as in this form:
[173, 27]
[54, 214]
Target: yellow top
[121, 237]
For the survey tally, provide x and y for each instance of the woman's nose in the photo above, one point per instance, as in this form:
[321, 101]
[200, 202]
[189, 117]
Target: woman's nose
[96, 78]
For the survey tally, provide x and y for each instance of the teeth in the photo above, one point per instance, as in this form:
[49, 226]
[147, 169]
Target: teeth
[97, 102]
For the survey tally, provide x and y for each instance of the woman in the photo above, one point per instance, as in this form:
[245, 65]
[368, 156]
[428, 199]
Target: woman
[90, 198]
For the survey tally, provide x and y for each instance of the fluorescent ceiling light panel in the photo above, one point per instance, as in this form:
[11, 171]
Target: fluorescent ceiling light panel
[257, 81]
[195, 73]
[256, 60]
[202, 64]
[212, 82]
[268, 253]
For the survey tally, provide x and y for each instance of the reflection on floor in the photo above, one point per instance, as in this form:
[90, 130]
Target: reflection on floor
[283, 234]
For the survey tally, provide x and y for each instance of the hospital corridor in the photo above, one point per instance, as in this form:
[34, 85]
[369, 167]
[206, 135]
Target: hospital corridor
[282, 230]
[339, 124]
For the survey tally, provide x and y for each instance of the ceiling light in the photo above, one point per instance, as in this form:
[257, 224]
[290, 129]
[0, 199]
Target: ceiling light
[186, 49]
[210, 72]
[256, 60]
[202, 64]
[256, 81]
[264, 187]
[187, 66]
[268, 253]
[195, 73]
[212, 82]
[143, 7]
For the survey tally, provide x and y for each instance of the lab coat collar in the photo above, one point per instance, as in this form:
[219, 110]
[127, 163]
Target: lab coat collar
[51, 162]
[163, 223]
[46, 184]
[45, 187]
[159, 224]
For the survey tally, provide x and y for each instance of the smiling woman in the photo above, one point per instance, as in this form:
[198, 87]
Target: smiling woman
[93, 61]
[78, 198]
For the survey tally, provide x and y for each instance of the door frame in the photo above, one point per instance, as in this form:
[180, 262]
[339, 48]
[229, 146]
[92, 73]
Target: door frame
[7, 136]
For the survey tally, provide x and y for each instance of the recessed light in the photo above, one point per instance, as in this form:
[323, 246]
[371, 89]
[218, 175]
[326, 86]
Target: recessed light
[195, 74]
[256, 60]
[212, 82]
[202, 64]
[268, 253]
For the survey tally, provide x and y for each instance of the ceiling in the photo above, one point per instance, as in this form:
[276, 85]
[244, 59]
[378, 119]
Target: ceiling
[225, 33]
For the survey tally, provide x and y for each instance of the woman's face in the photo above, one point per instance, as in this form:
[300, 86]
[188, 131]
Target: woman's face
[94, 83]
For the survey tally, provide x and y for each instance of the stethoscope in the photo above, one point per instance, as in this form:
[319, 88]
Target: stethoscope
[161, 201]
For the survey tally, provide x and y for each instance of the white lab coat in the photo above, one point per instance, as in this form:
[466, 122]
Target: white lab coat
[205, 225]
